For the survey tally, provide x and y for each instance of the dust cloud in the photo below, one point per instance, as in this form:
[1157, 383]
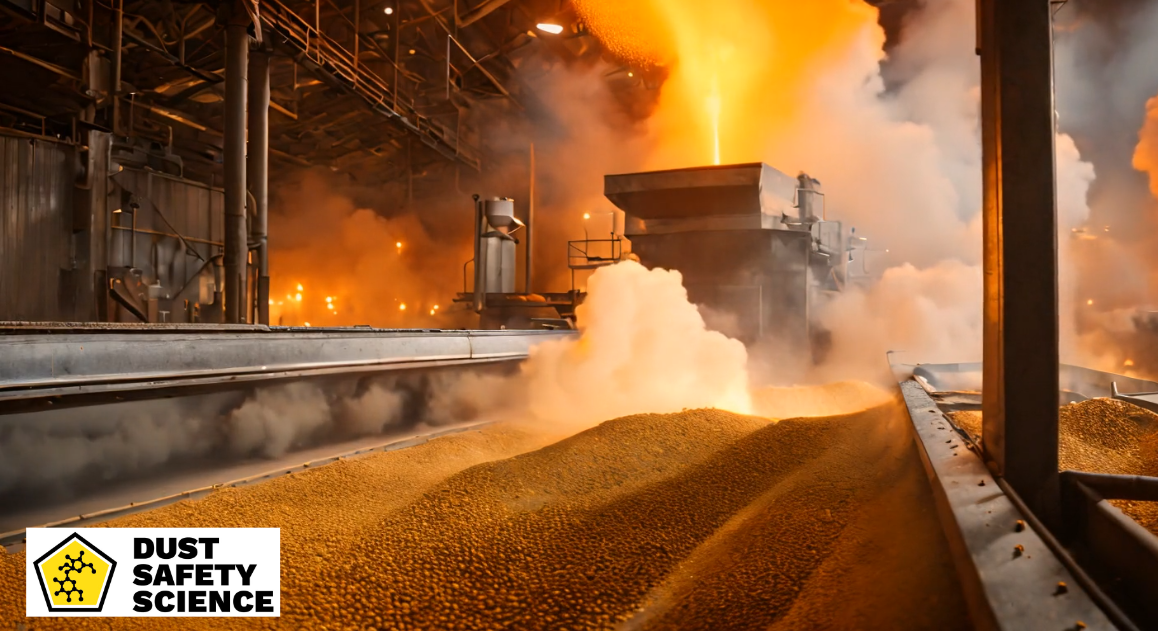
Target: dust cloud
[643, 348]
[63, 452]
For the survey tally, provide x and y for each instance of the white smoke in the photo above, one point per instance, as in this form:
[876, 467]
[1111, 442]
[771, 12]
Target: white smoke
[904, 168]
[643, 348]
[65, 450]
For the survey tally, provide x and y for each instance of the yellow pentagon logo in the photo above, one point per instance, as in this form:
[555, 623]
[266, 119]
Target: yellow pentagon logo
[75, 575]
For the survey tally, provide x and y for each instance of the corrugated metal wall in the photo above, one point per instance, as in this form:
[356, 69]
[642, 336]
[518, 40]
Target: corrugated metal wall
[37, 281]
[49, 229]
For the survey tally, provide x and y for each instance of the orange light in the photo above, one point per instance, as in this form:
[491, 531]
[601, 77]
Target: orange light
[388, 10]
[402, 307]
[432, 312]
[1090, 301]
[586, 216]
[307, 323]
[298, 297]
[330, 306]
[398, 244]
[721, 57]
[435, 306]
[548, 27]
[329, 298]
[1128, 362]
[299, 287]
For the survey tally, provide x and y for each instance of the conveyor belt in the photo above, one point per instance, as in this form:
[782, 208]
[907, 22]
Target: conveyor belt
[51, 365]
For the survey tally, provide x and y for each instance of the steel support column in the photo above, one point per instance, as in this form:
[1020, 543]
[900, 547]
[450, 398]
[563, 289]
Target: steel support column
[530, 259]
[257, 173]
[1020, 432]
[236, 244]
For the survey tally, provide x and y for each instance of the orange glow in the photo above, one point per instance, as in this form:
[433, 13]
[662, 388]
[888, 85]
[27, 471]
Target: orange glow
[1090, 301]
[739, 69]
[1146, 153]
[298, 297]
[1128, 363]
[299, 286]
[402, 307]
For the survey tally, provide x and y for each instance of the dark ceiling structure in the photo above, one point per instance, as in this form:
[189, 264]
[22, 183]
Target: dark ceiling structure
[376, 89]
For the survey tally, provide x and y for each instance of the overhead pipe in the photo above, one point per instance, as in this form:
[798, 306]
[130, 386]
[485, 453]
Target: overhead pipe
[257, 173]
[236, 242]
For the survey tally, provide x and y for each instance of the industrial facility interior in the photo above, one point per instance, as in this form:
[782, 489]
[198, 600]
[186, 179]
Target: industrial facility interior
[592, 314]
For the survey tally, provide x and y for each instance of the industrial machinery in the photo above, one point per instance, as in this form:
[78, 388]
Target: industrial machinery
[493, 296]
[753, 244]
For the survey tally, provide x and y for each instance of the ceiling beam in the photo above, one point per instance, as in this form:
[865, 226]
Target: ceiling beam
[480, 12]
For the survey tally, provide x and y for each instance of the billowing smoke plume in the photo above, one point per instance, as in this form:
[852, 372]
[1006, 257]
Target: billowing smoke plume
[643, 348]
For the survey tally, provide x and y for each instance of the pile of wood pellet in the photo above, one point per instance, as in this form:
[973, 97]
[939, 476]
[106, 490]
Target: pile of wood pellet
[1101, 436]
[697, 520]
[1097, 435]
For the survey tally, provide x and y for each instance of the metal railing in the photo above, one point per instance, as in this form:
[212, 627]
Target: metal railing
[341, 63]
[581, 256]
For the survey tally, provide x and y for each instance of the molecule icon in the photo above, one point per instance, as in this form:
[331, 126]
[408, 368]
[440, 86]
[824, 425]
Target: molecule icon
[68, 584]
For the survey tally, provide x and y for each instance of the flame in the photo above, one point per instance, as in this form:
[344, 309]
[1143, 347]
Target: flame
[1146, 153]
[738, 68]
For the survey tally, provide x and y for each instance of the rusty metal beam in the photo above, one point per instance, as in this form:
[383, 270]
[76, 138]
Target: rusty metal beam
[1020, 397]
[480, 12]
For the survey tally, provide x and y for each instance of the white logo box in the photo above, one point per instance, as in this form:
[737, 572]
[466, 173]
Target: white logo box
[249, 559]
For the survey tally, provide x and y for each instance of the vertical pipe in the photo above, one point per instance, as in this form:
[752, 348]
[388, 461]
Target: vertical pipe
[479, 264]
[257, 173]
[1020, 396]
[529, 259]
[236, 247]
[118, 35]
[357, 37]
[397, 34]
